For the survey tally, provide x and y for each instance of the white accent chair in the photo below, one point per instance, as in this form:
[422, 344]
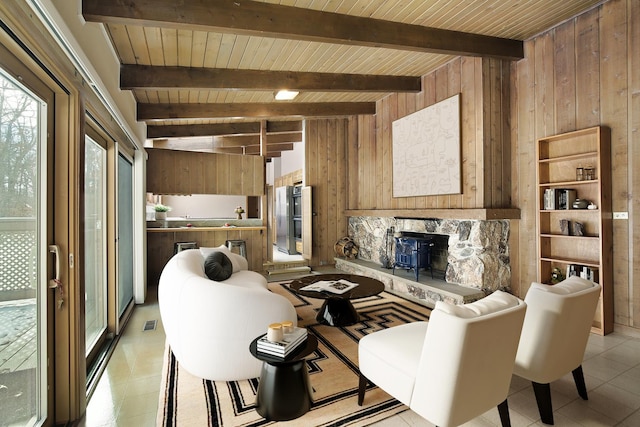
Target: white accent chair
[209, 325]
[452, 368]
[554, 336]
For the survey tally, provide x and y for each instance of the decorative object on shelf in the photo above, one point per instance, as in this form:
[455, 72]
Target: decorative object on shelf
[589, 173]
[564, 226]
[556, 276]
[346, 247]
[580, 204]
[578, 228]
[579, 173]
[239, 211]
[161, 211]
[592, 206]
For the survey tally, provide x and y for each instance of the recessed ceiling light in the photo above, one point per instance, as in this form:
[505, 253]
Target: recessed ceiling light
[286, 95]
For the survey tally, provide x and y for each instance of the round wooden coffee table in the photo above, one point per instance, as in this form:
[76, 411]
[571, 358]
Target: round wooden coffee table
[337, 309]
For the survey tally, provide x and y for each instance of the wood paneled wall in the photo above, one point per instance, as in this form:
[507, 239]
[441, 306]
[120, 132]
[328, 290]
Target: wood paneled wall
[583, 73]
[485, 139]
[189, 172]
[327, 142]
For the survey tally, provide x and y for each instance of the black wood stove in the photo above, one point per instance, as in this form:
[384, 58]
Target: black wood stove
[413, 252]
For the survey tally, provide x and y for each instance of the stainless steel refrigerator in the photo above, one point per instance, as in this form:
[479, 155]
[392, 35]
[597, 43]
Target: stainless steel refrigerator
[285, 235]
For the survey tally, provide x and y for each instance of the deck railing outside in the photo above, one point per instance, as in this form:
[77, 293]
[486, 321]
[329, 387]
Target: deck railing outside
[18, 258]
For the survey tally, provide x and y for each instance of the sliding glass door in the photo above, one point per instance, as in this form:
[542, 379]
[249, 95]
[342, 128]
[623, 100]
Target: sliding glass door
[125, 234]
[24, 248]
[95, 243]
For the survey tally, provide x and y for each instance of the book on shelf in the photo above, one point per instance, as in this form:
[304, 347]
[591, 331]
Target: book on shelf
[339, 286]
[282, 348]
[549, 199]
[558, 198]
[589, 273]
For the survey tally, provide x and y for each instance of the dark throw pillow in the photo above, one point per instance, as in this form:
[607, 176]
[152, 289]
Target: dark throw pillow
[218, 266]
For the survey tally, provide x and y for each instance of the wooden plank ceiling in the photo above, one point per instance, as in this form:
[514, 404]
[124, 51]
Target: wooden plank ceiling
[202, 71]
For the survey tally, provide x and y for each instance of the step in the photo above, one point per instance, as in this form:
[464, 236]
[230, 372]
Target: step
[427, 291]
[300, 269]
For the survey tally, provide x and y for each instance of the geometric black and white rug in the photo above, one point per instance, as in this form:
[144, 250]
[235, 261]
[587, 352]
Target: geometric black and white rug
[333, 373]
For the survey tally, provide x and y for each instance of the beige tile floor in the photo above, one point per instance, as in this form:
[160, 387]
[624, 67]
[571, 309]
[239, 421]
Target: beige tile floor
[127, 393]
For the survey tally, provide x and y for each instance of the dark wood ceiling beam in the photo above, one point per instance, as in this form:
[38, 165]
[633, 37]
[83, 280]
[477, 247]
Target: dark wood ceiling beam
[274, 109]
[156, 78]
[216, 129]
[283, 126]
[272, 20]
[254, 150]
[182, 131]
[254, 140]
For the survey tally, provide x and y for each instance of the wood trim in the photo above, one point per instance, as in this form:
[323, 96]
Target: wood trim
[479, 214]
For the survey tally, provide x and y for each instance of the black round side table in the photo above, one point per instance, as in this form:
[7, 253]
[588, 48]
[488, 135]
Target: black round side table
[284, 392]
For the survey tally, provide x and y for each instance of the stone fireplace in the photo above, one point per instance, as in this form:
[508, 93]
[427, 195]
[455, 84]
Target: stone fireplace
[476, 254]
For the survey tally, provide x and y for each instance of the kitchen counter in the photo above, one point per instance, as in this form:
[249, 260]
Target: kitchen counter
[173, 229]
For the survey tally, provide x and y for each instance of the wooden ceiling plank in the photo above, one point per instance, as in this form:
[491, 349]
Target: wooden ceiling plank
[286, 109]
[277, 21]
[155, 78]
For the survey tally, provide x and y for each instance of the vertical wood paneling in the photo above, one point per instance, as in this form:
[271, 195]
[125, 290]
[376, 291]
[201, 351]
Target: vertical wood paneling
[604, 85]
[468, 131]
[327, 172]
[524, 150]
[453, 88]
[352, 156]
[544, 119]
[634, 156]
[564, 79]
[587, 69]
[613, 84]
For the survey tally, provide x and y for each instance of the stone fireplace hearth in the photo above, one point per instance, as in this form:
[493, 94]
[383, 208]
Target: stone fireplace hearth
[477, 253]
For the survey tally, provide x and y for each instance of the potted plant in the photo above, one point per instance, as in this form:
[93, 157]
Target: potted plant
[239, 211]
[161, 211]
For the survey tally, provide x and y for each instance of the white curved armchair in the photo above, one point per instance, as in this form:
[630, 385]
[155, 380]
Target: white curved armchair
[554, 336]
[452, 368]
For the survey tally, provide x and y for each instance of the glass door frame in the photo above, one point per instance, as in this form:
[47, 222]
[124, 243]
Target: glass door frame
[58, 355]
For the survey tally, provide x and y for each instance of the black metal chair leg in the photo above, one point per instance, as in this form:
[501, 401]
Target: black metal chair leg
[578, 377]
[543, 398]
[503, 410]
[362, 387]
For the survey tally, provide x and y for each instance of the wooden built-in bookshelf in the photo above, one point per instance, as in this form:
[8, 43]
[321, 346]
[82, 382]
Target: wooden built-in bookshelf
[558, 158]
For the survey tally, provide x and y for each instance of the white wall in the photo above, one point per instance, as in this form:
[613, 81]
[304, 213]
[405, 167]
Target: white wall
[290, 161]
[204, 206]
[91, 45]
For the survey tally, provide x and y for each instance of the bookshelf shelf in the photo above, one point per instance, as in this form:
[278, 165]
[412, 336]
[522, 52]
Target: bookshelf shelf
[559, 157]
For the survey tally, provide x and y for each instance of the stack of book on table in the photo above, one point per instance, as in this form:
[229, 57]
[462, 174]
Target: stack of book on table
[282, 348]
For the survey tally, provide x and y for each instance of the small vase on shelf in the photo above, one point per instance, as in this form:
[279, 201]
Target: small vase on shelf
[239, 211]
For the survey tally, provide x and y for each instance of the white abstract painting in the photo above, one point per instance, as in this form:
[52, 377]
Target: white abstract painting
[426, 151]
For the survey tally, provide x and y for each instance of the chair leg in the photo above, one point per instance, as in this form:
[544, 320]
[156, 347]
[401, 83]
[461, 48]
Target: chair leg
[503, 410]
[578, 377]
[543, 398]
[362, 387]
